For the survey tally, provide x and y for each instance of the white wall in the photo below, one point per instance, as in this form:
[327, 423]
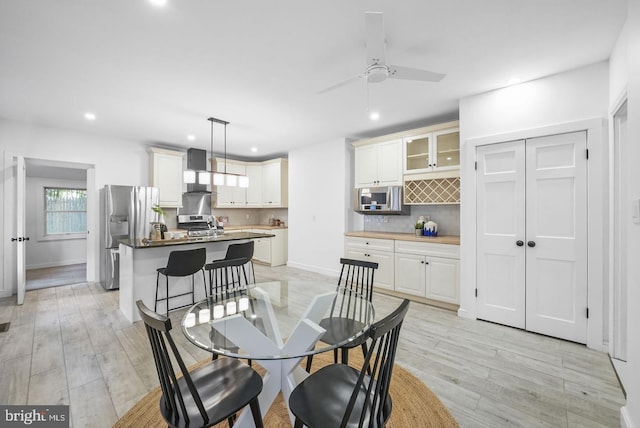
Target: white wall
[560, 103]
[42, 252]
[625, 75]
[319, 212]
[116, 161]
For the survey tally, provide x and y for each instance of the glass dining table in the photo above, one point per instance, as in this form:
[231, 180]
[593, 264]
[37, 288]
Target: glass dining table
[277, 324]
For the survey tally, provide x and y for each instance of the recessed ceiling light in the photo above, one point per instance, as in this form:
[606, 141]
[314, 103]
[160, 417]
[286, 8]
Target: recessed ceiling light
[191, 137]
[374, 115]
[159, 3]
[513, 81]
[254, 149]
[89, 116]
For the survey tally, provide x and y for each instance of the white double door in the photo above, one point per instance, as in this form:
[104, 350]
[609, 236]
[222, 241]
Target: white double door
[532, 235]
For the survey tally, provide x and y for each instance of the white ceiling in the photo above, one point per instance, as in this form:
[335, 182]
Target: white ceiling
[155, 74]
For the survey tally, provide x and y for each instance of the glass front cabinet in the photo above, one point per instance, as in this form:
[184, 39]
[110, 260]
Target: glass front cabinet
[436, 151]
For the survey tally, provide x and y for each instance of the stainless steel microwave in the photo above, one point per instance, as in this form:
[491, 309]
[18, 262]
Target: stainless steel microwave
[379, 200]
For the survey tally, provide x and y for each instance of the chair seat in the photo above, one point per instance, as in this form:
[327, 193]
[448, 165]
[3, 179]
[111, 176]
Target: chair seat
[224, 385]
[337, 328]
[325, 396]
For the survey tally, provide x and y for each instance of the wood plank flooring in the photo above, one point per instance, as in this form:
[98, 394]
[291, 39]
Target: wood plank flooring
[71, 345]
[55, 276]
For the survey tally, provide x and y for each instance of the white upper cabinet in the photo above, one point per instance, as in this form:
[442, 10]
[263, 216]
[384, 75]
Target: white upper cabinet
[165, 168]
[275, 183]
[231, 197]
[254, 191]
[379, 164]
[434, 151]
[268, 184]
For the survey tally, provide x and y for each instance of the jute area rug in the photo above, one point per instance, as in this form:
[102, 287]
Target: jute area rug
[414, 405]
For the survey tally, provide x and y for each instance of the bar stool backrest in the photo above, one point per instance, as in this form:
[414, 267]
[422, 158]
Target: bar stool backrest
[240, 251]
[185, 262]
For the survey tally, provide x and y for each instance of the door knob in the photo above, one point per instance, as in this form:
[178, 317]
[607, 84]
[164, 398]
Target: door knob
[519, 243]
[531, 244]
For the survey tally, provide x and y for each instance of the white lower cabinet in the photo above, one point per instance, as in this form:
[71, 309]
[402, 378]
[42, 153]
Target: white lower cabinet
[422, 271]
[271, 251]
[374, 250]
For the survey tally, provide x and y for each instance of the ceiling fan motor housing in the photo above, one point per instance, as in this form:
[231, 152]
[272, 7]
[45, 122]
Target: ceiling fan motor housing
[377, 73]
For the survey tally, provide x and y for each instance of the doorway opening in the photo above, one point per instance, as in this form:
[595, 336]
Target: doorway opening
[56, 224]
[620, 212]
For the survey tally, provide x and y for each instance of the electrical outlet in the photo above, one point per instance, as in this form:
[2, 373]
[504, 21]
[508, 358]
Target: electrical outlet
[385, 219]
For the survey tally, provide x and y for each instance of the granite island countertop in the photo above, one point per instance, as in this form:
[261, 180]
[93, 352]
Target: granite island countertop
[445, 239]
[148, 243]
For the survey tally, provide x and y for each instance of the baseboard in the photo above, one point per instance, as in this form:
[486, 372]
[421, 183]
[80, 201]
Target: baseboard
[462, 313]
[54, 264]
[316, 269]
[625, 419]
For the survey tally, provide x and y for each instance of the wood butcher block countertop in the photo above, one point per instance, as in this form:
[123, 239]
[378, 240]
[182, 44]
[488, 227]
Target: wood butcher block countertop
[452, 240]
[254, 226]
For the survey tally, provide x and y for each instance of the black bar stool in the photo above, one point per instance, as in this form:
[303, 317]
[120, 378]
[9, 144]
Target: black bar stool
[226, 277]
[242, 251]
[181, 263]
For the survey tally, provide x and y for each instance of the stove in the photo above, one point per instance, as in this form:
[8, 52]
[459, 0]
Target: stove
[198, 226]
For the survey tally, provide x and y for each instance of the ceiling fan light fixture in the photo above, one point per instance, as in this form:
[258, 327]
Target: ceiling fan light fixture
[377, 73]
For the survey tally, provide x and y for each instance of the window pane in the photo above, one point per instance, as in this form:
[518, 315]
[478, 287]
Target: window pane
[66, 210]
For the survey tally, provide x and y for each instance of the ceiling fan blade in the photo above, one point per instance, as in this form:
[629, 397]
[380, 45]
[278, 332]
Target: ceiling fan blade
[374, 27]
[406, 73]
[337, 85]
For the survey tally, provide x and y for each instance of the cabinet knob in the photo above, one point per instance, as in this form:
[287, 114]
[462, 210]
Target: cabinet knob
[519, 243]
[531, 244]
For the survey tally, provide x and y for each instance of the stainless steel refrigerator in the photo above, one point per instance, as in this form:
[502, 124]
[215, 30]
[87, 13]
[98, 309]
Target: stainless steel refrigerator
[126, 213]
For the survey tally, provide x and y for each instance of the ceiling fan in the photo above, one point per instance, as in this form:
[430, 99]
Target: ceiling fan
[377, 69]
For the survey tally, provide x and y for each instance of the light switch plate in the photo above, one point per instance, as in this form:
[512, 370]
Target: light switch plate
[635, 210]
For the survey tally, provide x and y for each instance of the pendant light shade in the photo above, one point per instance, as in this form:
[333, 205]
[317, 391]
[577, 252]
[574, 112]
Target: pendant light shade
[189, 176]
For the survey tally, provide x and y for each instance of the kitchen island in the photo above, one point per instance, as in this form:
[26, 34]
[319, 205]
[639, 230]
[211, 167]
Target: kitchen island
[139, 260]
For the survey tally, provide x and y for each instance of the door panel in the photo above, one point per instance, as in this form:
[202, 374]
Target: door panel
[20, 229]
[556, 275]
[500, 224]
[410, 274]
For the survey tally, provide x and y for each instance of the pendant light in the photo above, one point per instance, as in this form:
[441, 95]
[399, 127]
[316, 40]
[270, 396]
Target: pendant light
[226, 178]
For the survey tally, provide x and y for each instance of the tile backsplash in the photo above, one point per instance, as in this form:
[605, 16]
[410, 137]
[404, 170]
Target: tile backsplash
[447, 217]
[252, 216]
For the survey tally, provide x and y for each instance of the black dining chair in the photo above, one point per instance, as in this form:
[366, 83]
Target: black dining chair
[243, 250]
[338, 395]
[206, 395]
[357, 276]
[181, 263]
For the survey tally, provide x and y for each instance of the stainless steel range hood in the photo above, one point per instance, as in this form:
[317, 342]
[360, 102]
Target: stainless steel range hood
[197, 161]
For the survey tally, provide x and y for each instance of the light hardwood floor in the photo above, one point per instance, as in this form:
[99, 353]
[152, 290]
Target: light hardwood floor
[71, 345]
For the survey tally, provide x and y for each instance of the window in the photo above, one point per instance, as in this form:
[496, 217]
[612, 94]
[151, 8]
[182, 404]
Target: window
[65, 210]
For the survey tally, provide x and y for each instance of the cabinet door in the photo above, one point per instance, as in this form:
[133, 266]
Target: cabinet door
[390, 163]
[384, 275]
[254, 191]
[167, 177]
[410, 274]
[417, 154]
[366, 166]
[446, 150]
[444, 279]
[271, 191]
[238, 194]
[262, 250]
